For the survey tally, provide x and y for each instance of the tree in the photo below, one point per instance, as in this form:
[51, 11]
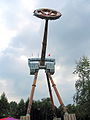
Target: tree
[46, 107]
[4, 106]
[13, 109]
[21, 109]
[26, 105]
[36, 112]
[82, 85]
[42, 110]
[59, 112]
[71, 108]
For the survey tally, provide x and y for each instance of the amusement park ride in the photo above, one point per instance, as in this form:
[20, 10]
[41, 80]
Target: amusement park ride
[48, 64]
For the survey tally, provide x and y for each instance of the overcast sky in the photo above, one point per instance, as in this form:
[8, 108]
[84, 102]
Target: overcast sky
[21, 35]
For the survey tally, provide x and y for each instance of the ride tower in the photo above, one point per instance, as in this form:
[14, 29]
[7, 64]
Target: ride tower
[48, 64]
[35, 64]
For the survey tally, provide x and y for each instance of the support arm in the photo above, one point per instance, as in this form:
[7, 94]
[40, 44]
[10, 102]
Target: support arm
[50, 91]
[57, 93]
[44, 45]
[32, 93]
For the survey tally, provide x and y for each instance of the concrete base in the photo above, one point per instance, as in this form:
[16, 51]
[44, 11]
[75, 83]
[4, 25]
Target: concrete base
[27, 117]
[56, 118]
[69, 117]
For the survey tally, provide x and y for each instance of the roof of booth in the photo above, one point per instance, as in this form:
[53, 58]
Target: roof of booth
[9, 118]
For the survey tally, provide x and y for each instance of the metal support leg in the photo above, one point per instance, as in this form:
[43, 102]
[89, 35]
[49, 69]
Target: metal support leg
[57, 93]
[32, 93]
[50, 91]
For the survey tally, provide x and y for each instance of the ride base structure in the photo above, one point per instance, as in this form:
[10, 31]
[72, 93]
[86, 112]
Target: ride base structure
[48, 64]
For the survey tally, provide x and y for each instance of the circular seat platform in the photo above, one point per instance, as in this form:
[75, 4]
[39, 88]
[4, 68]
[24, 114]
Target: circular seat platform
[47, 14]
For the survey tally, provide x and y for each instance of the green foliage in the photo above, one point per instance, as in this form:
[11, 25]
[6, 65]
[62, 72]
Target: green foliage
[82, 96]
[71, 108]
[46, 106]
[4, 106]
[12, 109]
[42, 110]
[59, 112]
[20, 109]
